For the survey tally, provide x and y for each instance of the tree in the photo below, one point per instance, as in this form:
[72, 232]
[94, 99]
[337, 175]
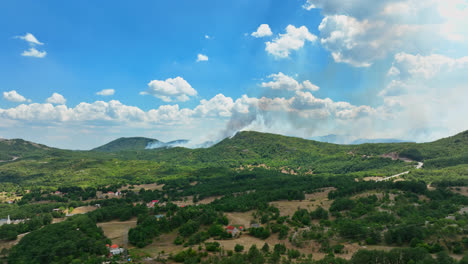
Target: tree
[238, 248]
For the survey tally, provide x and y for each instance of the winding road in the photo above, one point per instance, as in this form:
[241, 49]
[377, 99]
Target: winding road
[419, 166]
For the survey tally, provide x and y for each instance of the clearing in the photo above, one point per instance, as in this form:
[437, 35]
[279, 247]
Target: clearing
[117, 231]
[311, 202]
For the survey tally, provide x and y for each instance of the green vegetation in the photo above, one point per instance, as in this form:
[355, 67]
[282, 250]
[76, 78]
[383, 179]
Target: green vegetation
[420, 224]
[39, 165]
[77, 240]
[126, 144]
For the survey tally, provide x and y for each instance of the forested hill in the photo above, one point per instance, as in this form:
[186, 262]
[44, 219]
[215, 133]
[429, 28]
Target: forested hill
[12, 149]
[126, 144]
[41, 165]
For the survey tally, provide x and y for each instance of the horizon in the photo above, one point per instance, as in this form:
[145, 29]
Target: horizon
[79, 75]
[207, 144]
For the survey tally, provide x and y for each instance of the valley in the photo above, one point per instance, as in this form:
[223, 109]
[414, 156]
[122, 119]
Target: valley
[252, 198]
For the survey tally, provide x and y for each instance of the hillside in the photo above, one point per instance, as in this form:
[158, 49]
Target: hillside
[13, 149]
[44, 166]
[126, 144]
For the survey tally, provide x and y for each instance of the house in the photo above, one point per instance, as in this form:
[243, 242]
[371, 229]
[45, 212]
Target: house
[152, 203]
[232, 230]
[118, 193]
[255, 225]
[115, 249]
[58, 193]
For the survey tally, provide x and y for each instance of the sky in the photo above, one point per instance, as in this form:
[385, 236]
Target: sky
[77, 74]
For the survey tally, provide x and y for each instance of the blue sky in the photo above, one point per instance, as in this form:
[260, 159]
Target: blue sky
[251, 80]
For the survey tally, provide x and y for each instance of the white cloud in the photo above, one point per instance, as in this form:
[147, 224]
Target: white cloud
[207, 37]
[294, 39]
[423, 100]
[32, 41]
[219, 105]
[360, 32]
[13, 96]
[32, 52]
[262, 31]
[310, 86]
[202, 57]
[172, 89]
[288, 83]
[106, 92]
[30, 38]
[56, 98]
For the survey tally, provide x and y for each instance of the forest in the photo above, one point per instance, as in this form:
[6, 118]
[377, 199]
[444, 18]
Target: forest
[298, 201]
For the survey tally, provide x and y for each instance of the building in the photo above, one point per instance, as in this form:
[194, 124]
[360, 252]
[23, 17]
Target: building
[234, 231]
[115, 249]
[5, 221]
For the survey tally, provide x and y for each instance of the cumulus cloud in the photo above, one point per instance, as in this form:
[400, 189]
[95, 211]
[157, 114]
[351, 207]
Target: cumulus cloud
[106, 92]
[33, 52]
[293, 39]
[262, 31]
[284, 82]
[56, 98]
[32, 41]
[359, 32]
[14, 96]
[300, 111]
[172, 89]
[30, 38]
[202, 57]
[219, 105]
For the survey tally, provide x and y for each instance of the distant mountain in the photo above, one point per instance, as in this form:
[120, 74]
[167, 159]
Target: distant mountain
[350, 140]
[126, 144]
[377, 140]
[332, 138]
[170, 144]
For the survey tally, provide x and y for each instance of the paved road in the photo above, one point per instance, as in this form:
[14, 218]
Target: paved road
[419, 166]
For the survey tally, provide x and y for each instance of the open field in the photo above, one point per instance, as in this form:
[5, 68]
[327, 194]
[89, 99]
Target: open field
[311, 202]
[83, 209]
[117, 231]
[152, 186]
[164, 242]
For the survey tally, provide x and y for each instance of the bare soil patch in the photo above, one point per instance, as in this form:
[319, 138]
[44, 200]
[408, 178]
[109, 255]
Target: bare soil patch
[244, 218]
[10, 244]
[164, 242]
[463, 190]
[151, 186]
[117, 231]
[311, 202]
[83, 209]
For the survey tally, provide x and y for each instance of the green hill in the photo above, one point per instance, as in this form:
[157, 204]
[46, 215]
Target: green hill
[126, 144]
[126, 160]
[13, 149]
